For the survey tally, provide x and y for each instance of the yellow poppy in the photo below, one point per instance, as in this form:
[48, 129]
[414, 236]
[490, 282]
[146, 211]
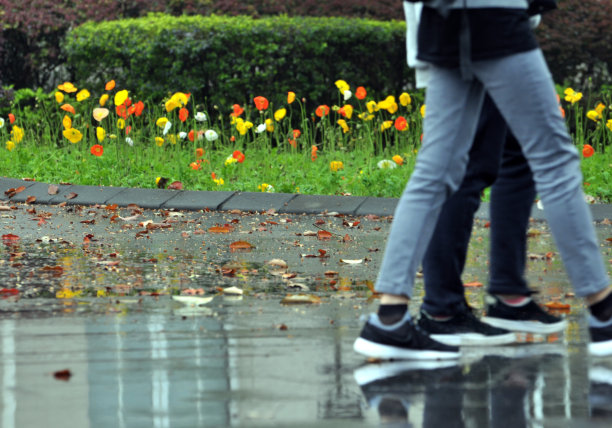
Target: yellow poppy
[280, 114]
[343, 125]
[17, 134]
[159, 141]
[67, 122]
[348, 111]
[120, 97]
[372, 106]
[103, 99]
[405, 99]
[336, 165]
[423, 110]
[59, 97]
[10, 146]
[82, 95]
[386, 125]
[269, 125]
[290, 97]
[161, 122]
[100, 133]
[121, 123]
[342, 86]
[73, 135]
[67, 87]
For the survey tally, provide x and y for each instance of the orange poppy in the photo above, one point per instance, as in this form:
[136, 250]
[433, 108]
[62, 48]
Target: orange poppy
[183, 114]
[261, 103]
[191, 135]
[12, 118]
[297, 133]
[195, 165]
[588, 151]
[199, 151]
[360, 93]
[138, 108]
[68, 108]
[237, 110]
[97, 150]
[290, 97]
[127, 130]
[322, 110]
[401, 123]
[110, 85]
[313, 153]
[293, 143]
[238, 155]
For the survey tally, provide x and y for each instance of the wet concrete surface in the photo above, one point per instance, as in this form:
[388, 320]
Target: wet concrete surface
[91, 335]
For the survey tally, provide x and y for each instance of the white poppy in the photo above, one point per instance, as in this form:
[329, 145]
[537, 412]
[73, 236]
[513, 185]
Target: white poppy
[211, 135]
[261, 128]
[200, 117]
[167, 127]
[1, 122]
[129, 141]
[347, 95]
[386, 164]
[182, 135]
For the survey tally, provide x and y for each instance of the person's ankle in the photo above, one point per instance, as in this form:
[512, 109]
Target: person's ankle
[513, 299]
[600, 304]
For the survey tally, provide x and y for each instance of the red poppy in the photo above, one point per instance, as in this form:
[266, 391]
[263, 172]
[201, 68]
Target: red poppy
[238, 155]
[322, 110]
[293, 143]
[195, 165]
[232, 138]
[588, 151]
[199, 151]
[191, 135]
[360, 93]
[313, 153]
[138, 108]
[401, 123]
[97, 150]
[12, 117]
[297, 133]
[183, 114]
[237, 110]
[261, 103]
[213, 175]
[122, 111]
[127, 130]
[65, 107]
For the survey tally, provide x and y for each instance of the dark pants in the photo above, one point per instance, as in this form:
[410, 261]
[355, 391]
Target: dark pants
[495, 157]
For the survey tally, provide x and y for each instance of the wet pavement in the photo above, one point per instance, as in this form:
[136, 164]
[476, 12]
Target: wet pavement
[92, 332]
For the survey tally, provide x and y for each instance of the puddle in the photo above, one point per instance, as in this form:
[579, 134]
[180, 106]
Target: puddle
[93, 337]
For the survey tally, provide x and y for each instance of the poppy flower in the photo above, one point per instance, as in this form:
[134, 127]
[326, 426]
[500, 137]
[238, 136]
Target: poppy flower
[290, 97]
[388, 104]
[587, 151]
[292, 142]
[67, 122]
[195, 165]
[100, 133]
[386, 164]
[10, 146]
[360, 93]
[199, 152]
[97, 150]
[100, 113]
[346, 111]
[66, 107]
[386, 125]
[342, 86]
[313, 153]
[322, 110]
[261, 103]
[103, 100]
[237, 110]
[67, 87]
[191, 135]
[238, 155]
[12, 118]
[138, 108]
[122, 111]
[280, 114]
[336, 165]
[398, 159]
[17, 134]
[401, 124]
[82, 95]
[161, 122]
[297, 133]
[609, 124]
[1, 122]
[343, 125]
[128, 129]
[269, 125]
[423, 110]
[260, 128]
[121, 123]
[211, 135]
[72, 135]
[405, 99]
[110, 85]
[183, 114]
[121, 97]
[200, 117]
[159, 141]
[572, 96]
[59, 97]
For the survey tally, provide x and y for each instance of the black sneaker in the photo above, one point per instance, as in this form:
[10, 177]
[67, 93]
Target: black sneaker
[530, 318]
[464, 329]
[601, 337]
[400, 341]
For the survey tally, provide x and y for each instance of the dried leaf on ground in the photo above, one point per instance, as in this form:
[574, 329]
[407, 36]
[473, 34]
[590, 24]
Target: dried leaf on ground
[52, 189]
[241, 245]
[301, 299]
[193, 300]
[63, 375]
[473, 284]
[323, 235]
[220, 229]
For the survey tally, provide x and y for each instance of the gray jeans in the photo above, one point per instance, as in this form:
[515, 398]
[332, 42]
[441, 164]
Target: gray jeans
[522, 88]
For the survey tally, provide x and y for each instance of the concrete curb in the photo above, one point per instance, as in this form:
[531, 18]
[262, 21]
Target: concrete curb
[221, 200]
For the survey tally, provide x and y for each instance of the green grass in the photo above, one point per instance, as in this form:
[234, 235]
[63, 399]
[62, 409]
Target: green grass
[270, 157]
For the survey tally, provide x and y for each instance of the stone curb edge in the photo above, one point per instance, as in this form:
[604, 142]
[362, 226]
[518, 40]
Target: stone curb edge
[39, 193]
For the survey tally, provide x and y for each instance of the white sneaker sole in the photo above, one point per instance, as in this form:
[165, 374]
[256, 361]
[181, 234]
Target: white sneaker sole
[474, 339]
[386, 352]
[373, 372]
[526, 326]
[600, 349]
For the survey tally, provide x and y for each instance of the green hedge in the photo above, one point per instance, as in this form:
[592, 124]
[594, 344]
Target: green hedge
[228, 60]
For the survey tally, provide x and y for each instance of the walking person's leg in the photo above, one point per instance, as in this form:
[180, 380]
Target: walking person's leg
[510, 305]
[535, 120]
[448, 132]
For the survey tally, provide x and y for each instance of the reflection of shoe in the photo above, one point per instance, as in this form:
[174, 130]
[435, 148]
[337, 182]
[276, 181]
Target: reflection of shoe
[373, 372]
[464, 329]
[600, 391]
[601, 337]
[402, 340]
[530, 318]
[517, 351]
